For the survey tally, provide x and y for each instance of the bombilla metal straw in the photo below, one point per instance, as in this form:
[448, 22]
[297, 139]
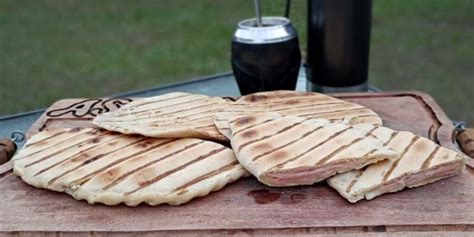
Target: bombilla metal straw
[257, 12]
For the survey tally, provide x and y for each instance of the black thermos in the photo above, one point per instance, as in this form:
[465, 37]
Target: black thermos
[338, 45]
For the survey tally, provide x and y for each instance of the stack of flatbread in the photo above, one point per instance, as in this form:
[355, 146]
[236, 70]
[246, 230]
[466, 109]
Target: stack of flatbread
[178, 146]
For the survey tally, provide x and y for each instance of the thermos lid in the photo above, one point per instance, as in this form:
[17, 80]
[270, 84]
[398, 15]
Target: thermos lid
[273, 30]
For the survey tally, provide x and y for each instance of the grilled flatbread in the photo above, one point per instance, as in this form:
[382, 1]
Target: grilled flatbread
[106, 167]
[421, 161]
[173, 115]
[290, 150]
[302, 104]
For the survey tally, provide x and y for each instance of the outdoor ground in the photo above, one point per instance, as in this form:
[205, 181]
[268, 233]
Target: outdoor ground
[55, 49]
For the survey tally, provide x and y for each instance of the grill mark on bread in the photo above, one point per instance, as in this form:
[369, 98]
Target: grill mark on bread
[395, 163]
[147, 183]
[394, 134]
[221, 120]
[94, 158]
[371, 134]
[306, 106]
[157, 101]
[245, 120]
[79, 153]
[188, 116]
[207, 126]
[46, 138]
[233, 120]
[360, 172]
[283, 130]
[255, 98]
[367, 115]
[336, 111]
[159, 108]
[216, 109]
[124, 176]
[186, 123]
[251, 126]
[173, 112]
[342, 148]
[161, 124]
[311, 148]
[284, 106]
[49, 147]
[193, 108]
[84, 179]
[339, 116]
[240, 116]
[287, 144]
[289, 97]
[246, 108]
[356, 178]
[428, 160]
[64, 149]
[209, 175]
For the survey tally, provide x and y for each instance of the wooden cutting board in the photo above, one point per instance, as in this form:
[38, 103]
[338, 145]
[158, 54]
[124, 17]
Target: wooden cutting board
[246, 206]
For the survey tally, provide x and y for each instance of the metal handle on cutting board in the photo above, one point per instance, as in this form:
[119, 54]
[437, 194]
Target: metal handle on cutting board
[8, 146]
[7, 149]
[465, 139]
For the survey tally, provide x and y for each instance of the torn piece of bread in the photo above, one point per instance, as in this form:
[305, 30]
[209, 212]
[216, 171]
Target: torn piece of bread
[421, 161]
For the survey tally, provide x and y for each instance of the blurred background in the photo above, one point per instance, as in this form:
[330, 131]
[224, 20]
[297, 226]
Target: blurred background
[53, 49]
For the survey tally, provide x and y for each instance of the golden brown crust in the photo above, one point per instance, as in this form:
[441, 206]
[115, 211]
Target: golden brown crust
[173, 115]
[111, 168]
[303, 104]
[420, 161]
[289, 150]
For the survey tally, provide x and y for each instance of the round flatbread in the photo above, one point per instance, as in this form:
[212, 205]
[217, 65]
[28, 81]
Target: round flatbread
[173, 115]
[110, 168]
[302, 104]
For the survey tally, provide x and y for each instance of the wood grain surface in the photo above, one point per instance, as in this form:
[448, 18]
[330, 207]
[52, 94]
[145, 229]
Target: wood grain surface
[248, 207]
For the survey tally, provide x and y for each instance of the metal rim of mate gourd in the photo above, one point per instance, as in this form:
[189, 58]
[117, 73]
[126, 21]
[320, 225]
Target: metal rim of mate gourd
[274, 29]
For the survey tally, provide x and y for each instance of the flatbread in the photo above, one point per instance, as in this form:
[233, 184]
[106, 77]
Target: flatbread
[173, 115]
[421, 161]
[290, 150]
[110, 168]
[302, 104]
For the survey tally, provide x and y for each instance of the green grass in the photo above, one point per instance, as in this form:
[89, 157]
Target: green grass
[55, 49]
